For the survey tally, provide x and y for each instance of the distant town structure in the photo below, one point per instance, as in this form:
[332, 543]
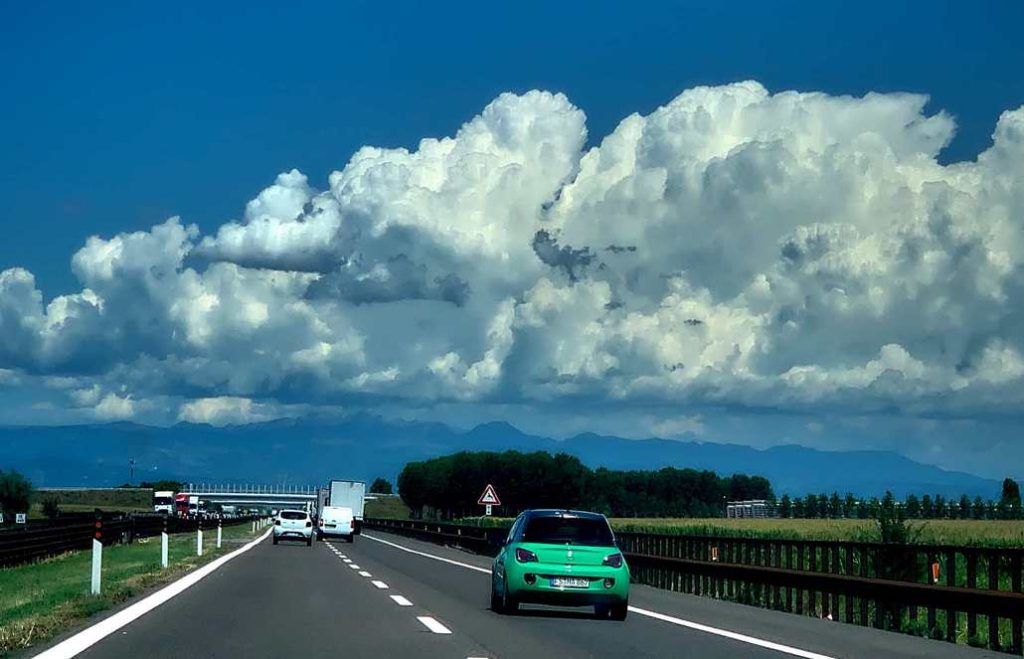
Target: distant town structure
[755, 509]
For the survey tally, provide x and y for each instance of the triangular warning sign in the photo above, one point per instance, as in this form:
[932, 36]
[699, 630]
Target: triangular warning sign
[489, 497]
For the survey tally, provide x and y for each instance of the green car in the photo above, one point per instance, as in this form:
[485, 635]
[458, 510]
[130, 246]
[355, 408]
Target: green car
[564, 558]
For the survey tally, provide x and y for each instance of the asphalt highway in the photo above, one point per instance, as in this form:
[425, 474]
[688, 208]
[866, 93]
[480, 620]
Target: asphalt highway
[389, 596]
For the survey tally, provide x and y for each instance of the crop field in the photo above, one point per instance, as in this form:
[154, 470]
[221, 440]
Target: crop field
[86, 500]
[982, 533]
[939, 531]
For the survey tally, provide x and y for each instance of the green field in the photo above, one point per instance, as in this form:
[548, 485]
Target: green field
[944, 531]
[86, 500]
[982, 533]
[41, 600]
[386, 507]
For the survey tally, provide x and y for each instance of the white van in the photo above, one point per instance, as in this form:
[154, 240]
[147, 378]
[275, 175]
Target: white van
[335, 522]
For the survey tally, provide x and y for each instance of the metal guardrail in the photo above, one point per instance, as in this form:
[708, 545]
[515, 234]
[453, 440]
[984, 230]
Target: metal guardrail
[19, 546]
[927, 590]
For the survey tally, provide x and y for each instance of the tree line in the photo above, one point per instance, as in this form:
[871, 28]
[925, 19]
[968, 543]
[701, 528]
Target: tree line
[448, 487]
[834, 506]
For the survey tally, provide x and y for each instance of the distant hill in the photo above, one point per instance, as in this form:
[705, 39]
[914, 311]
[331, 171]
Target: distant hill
[365, 446]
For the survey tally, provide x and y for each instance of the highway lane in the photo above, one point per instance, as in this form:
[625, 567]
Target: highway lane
[291, 600]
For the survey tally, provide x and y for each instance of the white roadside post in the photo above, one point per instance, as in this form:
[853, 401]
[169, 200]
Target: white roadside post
[254, 526]
[163, 545]
[199, 537]
[97, 555]
[218, 534]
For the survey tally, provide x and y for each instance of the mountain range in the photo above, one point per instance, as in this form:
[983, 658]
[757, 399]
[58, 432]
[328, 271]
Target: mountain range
[311, 451]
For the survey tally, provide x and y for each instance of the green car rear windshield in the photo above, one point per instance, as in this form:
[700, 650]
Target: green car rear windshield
[569, 531]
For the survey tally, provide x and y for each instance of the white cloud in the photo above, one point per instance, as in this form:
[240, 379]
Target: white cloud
[114, 407]
[222, 411]
[794, 250]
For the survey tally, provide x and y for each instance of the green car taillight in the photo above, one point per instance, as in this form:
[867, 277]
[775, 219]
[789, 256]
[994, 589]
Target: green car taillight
[613, 560]
[525, 555]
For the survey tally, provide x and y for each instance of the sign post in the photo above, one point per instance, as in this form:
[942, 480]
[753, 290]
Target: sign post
[488, 499]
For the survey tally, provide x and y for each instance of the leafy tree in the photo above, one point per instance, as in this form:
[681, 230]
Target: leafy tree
[927, 507]
[380, 486]
[965, 507]
[785, 507]
[849, 506]
[835, 506]
[15, 491]
[978, 508]
[913, 507]
[449, 486]
[940, 506]
[51, 508]
[1010, 499]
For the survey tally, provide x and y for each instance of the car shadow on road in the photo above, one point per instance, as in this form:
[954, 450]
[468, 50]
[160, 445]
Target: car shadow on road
[563, 614]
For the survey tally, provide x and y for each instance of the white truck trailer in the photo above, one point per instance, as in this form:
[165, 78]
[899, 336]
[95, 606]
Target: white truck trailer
[350, 494]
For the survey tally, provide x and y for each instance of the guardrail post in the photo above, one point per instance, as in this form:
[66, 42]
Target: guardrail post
[218, 533]
[97, 554]
[199, 537]
[163, 545]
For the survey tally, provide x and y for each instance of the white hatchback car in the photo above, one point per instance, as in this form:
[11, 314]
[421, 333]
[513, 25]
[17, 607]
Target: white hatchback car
[293, 525]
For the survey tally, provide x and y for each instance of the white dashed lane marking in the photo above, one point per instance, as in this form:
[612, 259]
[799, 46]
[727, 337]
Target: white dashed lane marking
[364, 573]
[433, 625]
[380, 584]
[401, 601]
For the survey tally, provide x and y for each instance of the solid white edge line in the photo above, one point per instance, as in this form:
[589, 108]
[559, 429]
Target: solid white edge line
[364, 573]
[420, 553]
[380, 584]
[90, 636]
[401, 601]
[433, 625]
[743, 638]
[796, 652]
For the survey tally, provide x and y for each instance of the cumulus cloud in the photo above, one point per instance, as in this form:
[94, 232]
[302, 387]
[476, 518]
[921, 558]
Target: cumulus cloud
[222, 411]
[789, 250]
[113, 407]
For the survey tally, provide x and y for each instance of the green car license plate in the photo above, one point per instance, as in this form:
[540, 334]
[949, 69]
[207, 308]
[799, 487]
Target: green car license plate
[569, 582]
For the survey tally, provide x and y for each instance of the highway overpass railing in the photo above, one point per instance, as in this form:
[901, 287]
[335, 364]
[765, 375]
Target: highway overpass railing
[42, 540]
[960, 594]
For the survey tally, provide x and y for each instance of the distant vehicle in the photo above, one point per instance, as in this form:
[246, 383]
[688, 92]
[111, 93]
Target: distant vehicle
[163, 502]
[350, 494]
[564, 558]
[293, 525]
[181, 505]
[336, 522]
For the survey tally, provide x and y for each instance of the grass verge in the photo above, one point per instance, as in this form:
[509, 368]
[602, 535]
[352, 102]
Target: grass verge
[41, 600]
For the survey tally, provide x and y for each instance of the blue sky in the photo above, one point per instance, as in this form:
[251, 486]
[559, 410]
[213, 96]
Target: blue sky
[762, 223]
[120, 115]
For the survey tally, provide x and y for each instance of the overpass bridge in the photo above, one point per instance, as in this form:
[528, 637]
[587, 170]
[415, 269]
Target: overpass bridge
[252, 494]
